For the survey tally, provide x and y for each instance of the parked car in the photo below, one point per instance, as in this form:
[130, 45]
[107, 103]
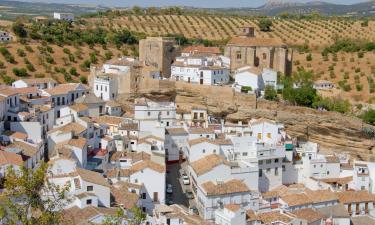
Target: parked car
[185, 179]
[169, 189]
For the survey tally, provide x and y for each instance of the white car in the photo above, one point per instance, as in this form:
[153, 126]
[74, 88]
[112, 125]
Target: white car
[169, 189]
[185, 179]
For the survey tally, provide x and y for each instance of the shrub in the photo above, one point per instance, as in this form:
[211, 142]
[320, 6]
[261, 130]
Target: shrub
[360, 55]
[73, 71]
[8, 57]
[7, 79]
[2, 65]
[30, 67]
[21, 53]
[19, 29]
[83, 79]
[22, 72]
[39, 75]
[49, 49]
[50, 60]
[29, 48]
[270, 93]
[66, 51]
[108, 55]
[246, 89]
[369, 117]
[359, 87]
[309, 57]
[333, 104]
[67, 77]
[265, 24]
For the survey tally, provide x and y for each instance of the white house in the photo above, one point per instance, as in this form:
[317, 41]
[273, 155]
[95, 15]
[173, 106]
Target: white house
[86, 187]
[323, 85]
[40, 83]
[230, 214]
[105, 86]
[5, 36]
[200, 70]
[162, 112]
[176, 143]
[10, 159]
[248, 77]
[213, 195]
[63, 16]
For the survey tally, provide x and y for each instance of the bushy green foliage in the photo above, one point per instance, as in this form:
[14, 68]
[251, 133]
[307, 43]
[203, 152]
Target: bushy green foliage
[270, 93]
[19, 29]
[350, 45]
[333, 104]
[20, 72]
[8, 57]
[369, 116]
[265, 24]
[83, 79]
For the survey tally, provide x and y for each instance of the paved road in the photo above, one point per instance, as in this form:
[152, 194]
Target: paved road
[173, 177]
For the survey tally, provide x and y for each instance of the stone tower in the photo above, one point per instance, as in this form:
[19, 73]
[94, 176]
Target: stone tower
[158, 52]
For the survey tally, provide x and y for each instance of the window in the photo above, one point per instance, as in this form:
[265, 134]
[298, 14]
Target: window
[276, 160]
[283, 168]
[143, 195]
[244, 153]
[135, 180]
[238, 55]
[268, 161]
[327, 172]
[259, 136]
[260, 172]
[155, 197]
[268, 135]
[148, 113]
[264, 56]
[268, 170]
[276, 171]
[203, 150]
[260, 162]
[90, 188]
[88, 202]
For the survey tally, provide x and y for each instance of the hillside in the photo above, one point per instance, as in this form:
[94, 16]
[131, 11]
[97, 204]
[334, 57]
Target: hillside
[353, 73]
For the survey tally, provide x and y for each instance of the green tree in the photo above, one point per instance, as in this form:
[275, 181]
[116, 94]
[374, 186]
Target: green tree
[33, 188]
[369, 116]
[270, 93]
[19, 29]
[265, 24]
[83, 79]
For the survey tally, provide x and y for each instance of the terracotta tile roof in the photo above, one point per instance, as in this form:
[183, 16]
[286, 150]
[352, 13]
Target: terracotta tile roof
[151, 137]
[2, 98]
[78, 216]
[89, 99]
[218, 141]
[196, 141]
[228, 187]
[250, 215]
[10, 158]
[8, 91]
[79, 142]
[122, 195]
[275, 216]
[62, 89]
[26, 90]
[79, 107]
[116, 173]
[319, 196]
[246, 41]
[207, 163]
[148, 164]
[232, 207]
[336, 211]
[296, 199]
[355, 197]
[112, 103]
[134, 156]
[130, 126]
[75, 127]
[176, 131]
[27, 149]
[92, 177]
[201, 49]
[308, 214]
[38, 80]
[200, 130]
[340, 180]
[110, 120]
[332, 159]
[15, 134]
[270, 194]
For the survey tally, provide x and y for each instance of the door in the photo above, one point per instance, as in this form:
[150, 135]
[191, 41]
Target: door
[188, 79]
[201, 81]
[155, 196]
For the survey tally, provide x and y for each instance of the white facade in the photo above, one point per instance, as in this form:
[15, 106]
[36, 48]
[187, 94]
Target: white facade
[40, 83]
[200, 70]
[162, 112]
[257, 80]
[105, 87]
[227, 216]
[63, 16]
